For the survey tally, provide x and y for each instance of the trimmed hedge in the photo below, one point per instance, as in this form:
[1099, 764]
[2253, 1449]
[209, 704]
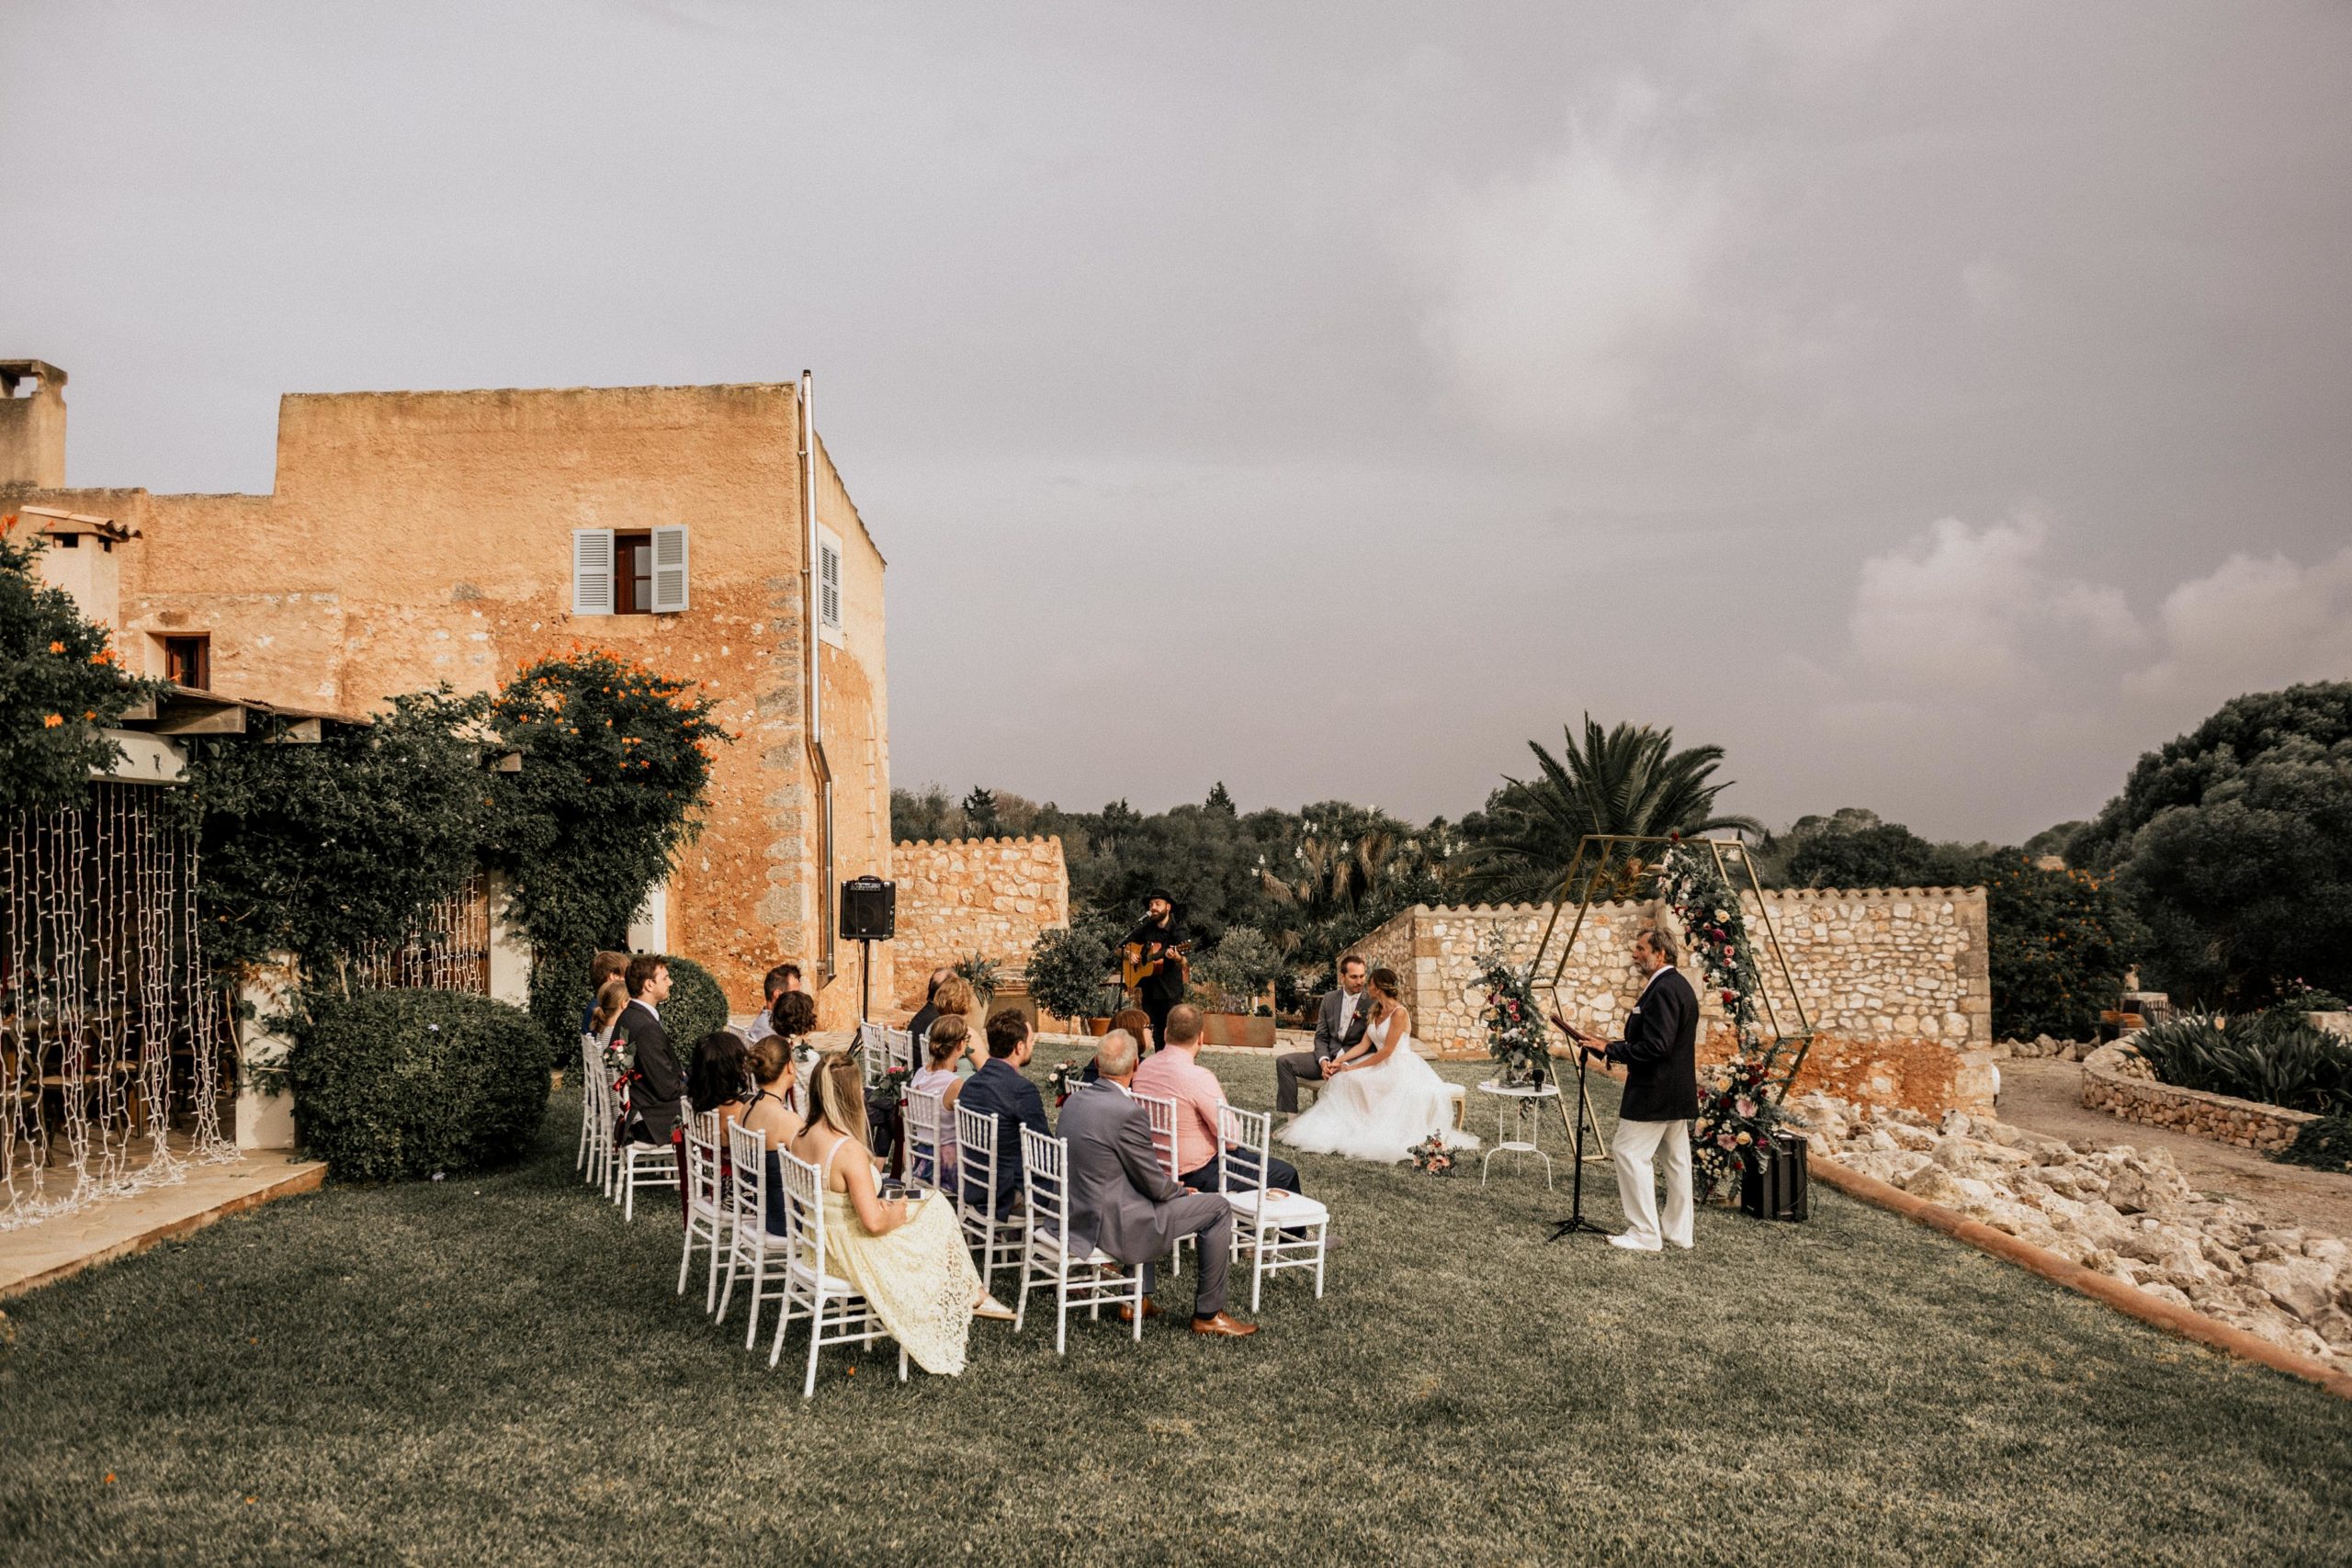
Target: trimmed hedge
[696, 1006]
[402, 1083]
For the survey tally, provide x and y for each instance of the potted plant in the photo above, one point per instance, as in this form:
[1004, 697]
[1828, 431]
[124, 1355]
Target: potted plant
[1236, 972]
[1069, 973]
[983, 975]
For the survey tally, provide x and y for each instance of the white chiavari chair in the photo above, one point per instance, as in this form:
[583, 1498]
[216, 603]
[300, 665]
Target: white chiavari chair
[1088, 1277]
[994, 1237]
[752, 1252]
[1161, 1112]
[927, 1145]
[708, 1217]
[1273, 1229]
[837, 1313]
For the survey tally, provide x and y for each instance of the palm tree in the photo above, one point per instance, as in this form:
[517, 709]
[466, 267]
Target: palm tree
[1629, 780]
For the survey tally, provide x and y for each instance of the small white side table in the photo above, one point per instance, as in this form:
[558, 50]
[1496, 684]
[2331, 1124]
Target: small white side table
[1519, 1122]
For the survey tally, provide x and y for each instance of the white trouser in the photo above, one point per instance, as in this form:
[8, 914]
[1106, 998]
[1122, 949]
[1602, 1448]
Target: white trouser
[1633, 1147]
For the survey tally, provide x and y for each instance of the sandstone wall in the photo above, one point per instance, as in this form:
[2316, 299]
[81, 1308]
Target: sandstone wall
[415, 537]
[959, 896]
[1895, 982]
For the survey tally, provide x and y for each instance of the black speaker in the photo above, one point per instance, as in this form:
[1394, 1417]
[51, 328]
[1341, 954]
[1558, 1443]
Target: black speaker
[869, 910]
[1777, 1181]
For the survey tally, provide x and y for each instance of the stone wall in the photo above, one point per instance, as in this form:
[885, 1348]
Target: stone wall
[959, 896]
[2117, 1081]
[1895, 982]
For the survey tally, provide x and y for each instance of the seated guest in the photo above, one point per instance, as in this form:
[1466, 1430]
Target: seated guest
[998, 1089]
[611, 999]
[1175, 1073]
[1121, 1200]
[905, 1256]
[656, 1086]
[927, 1014]
[791, 1022]
[769, 1113]
[716, 1077]
[950, 1041]
[953, 999]
[604, 967]
[775, 982]
[1136, 1021]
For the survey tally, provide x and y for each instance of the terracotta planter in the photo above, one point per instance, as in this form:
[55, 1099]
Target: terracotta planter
[1098, 1026]
[1240, 1029]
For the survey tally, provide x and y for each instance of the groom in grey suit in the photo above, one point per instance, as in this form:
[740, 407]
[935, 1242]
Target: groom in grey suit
[1123, 1201]
[1339, 1025]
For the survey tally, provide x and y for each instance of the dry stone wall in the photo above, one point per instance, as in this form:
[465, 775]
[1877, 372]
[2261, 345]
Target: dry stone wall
[2116, 1081]
[1894, 980]
[959, 897]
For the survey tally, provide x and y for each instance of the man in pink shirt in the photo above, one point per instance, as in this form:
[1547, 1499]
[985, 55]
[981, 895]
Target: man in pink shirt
[1175, 1073]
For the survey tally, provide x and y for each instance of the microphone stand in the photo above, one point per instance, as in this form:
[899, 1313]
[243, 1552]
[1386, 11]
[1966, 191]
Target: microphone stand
[1576, 1222]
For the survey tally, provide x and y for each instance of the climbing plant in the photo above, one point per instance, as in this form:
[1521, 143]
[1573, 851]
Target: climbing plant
[61, 685]
[615, 760]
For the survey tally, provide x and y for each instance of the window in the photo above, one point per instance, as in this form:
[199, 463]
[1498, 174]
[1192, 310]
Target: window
[632, 574]
[188, 661]
[829, 585]
[628, 572]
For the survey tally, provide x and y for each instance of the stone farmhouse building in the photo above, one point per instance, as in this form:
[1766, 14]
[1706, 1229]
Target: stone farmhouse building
[417, 537]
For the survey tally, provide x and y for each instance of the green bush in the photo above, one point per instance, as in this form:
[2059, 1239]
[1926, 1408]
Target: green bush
[399, 1084]
[1069, 966]
[2058, 944]
[2275, 1058]
[2324, 1144]
[696, 1006]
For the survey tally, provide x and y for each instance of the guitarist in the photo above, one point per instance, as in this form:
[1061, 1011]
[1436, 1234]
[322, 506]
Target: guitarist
[1161, 939]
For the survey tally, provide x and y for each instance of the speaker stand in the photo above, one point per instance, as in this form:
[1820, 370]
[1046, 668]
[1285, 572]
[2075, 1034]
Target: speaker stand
[1576, 1222]
[865, 977]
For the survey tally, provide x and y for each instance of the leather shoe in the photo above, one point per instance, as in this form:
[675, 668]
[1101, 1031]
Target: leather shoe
[1225, 1326]
[1127, 1313]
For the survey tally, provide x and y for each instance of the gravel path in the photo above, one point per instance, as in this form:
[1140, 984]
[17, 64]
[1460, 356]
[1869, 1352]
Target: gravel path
[2046, 1097]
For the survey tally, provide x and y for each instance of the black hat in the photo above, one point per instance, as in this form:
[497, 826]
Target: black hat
[1161, 893]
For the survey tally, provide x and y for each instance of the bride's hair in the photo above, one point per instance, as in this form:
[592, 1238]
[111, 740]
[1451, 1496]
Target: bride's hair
[1384, 980]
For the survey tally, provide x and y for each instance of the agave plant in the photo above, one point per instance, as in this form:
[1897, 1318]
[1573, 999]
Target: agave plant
[1628, 781]
[2276, 1058]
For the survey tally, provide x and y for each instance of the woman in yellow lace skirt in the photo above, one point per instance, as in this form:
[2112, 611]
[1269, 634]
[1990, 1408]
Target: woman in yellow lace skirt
[905, 1257]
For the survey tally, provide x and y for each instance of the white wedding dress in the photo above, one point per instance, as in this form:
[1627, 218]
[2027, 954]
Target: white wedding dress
[1379, 1114]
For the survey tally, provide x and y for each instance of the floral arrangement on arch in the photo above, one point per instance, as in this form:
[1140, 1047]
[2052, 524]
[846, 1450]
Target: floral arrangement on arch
[1714, 928]
[1514, 1024]
[1737, 1119]
[1431, 1157]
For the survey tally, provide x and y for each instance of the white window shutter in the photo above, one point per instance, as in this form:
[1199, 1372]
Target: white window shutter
[829, 584]
[669, 570]
[592, 571]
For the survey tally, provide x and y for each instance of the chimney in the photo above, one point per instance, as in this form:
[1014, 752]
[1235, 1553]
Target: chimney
[32, 423]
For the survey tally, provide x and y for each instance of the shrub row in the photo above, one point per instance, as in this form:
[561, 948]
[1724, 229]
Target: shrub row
[396, 1084]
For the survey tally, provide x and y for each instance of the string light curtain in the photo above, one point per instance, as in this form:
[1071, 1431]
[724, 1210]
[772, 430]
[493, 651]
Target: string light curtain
[112, 1044]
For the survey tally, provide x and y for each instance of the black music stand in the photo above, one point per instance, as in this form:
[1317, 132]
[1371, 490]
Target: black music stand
[1576, 1222]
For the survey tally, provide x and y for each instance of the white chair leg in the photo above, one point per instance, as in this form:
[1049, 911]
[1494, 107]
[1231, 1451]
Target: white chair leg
[710, 1290]
[816, 1337]
[1135, 1305]
[784, 1321]
[1061, 1313]
[1322, 1236]
[902, 1363]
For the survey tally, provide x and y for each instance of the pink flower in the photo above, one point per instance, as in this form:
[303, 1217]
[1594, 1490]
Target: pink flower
[1725, 1141]
[1744, 1106]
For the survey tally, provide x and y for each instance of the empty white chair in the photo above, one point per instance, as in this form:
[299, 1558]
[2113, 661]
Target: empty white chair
[595, 1117]
[706, 1211]
[752, 1253]
[1161, 1112]
[1274, 1230]
[994, 1238]
[837, 1313]
[905, 1050]
[1087, 1279]
[926, 1120]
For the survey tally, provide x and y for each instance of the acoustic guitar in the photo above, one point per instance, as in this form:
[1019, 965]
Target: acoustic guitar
[1134, 967]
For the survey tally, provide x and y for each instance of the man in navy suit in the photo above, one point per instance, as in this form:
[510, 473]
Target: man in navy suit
[998, 1089]
[1659, 1055]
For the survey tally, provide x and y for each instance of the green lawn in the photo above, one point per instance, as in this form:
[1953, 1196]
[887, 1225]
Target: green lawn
[496, 1370]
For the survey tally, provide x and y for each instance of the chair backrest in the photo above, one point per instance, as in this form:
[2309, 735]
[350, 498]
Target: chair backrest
[748, 1150]
[1044, 1161]
[904, 1049]
[804, 1213]
[872, 1048]
[702, 1158]
[976, 1157]
[1161, 1109]
[1248, 1137]
[925, 1116]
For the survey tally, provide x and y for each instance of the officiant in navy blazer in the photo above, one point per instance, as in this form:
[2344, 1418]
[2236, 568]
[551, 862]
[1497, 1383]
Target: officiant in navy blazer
[1659, 1055]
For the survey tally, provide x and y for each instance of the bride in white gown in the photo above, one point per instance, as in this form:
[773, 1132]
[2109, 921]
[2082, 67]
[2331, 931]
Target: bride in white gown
[1381, 1098]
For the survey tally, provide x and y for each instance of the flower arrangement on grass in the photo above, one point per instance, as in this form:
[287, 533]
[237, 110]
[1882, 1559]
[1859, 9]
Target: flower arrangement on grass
[1737, 1119]
[1514, 1024]
[1431, 1157]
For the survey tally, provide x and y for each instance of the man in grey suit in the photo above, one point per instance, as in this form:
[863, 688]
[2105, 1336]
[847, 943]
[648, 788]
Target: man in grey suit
[1123, 1202]
[1338, 1024]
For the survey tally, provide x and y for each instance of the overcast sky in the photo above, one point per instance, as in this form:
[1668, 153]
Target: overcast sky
[1934, 405]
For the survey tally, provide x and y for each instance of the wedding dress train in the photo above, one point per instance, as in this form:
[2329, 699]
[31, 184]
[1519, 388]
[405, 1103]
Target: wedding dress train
[1379, 1114]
